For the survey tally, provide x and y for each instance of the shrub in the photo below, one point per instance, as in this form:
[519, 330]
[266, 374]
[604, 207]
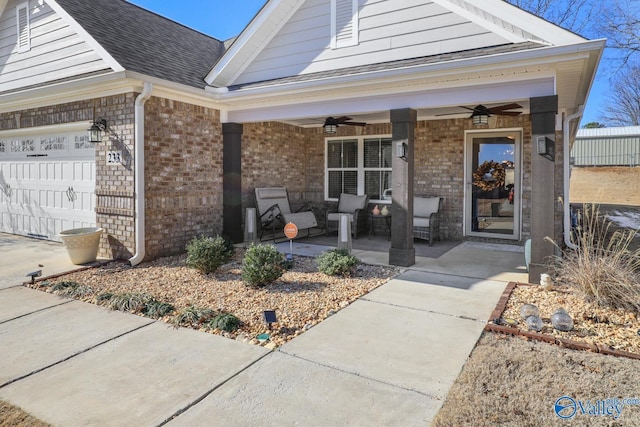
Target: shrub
[224, 321]
[337, 262]
[207, 254]
[156, 309]
[602, 268]
[262, 265]
[71, 289]
[192, 316]
[132, 302]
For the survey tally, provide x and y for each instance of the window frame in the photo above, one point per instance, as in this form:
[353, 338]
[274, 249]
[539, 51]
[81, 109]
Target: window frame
[360, 168]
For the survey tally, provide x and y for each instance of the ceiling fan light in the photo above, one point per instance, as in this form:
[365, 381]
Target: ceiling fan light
[330, 128]
[479, 118]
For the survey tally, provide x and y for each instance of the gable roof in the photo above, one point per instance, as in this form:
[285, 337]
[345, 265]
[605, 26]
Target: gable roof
[476, 24]
[147, 43]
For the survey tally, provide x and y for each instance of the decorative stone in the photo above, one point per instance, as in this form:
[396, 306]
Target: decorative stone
[529, 310]
[561, 320]
[534, 323]
[545, 282]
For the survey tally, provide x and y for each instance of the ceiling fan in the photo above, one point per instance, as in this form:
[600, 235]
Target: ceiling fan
[331, 124]
[480, 114]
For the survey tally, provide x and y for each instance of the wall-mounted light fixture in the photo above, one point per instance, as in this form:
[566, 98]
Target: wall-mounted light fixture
[96, 129]
[330, 126]
[546, 147]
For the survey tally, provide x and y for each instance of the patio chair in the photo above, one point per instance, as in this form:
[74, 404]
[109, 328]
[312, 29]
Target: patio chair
[348, 204]
[426, 218]
[274, 211]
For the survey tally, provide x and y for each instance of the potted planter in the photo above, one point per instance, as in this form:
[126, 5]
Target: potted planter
[82, 243]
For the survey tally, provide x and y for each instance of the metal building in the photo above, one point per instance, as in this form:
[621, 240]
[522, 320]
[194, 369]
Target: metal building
[616, 146]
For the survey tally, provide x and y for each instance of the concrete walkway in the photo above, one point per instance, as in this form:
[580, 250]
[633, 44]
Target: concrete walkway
[387, 359]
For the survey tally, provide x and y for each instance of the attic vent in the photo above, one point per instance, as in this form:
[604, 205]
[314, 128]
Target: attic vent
[24, 32]
[344, 23]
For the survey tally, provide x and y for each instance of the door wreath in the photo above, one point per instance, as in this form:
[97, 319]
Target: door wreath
[496, 171]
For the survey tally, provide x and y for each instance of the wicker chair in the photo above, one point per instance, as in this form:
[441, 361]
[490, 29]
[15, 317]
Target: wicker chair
[348, 204]
[426, 218]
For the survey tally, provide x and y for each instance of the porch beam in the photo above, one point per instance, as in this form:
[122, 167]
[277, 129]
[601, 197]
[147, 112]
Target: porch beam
[232, 181]
[543, 184]
[403, 123]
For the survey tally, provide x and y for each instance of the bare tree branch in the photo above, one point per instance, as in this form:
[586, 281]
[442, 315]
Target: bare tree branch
[623, 107]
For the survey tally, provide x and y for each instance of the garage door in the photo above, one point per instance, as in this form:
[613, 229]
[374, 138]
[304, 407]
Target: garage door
[47, 181]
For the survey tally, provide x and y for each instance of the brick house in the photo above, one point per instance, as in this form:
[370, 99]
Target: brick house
[194, 124]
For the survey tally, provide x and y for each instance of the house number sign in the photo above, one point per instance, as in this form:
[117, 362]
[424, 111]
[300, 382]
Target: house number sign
[114, 157]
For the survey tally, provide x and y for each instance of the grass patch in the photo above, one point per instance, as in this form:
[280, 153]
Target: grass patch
[509, 381]
[225, 321]
[11, 416]
[192, 316]
[71, 289]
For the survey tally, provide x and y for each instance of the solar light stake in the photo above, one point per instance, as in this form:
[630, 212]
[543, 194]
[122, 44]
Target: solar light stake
[269, 317]
[344, 233]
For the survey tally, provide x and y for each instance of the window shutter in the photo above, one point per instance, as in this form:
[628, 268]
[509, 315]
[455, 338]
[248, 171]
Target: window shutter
[24, 31]
[344, 23]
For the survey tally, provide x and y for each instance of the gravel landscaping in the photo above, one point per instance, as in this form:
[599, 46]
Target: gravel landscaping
[302, 297]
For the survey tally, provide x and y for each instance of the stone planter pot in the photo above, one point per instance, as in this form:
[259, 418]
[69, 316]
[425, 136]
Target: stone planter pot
[82, 243]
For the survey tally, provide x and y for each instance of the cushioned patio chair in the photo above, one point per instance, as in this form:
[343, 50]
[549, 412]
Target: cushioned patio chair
[352, 205]
[274, 211]
[426, 218]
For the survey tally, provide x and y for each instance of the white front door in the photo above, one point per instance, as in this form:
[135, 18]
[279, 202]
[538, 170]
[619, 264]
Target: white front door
[492, 193]
[47, 181]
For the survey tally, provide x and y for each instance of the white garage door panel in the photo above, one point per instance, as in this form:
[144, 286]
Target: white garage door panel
[43, 195]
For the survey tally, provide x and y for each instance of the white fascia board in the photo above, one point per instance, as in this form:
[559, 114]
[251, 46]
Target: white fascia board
[260, 31]
[526, 21]
[543, 55]
[60, 93]
[84, 35]
[470, 94]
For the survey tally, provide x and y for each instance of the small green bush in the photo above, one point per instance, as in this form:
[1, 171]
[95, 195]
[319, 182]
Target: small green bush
[207, 254]
[262, 265]
[337, 262]
[224, 321]
[71, 289]
[192, 316]
[132, 302]
[156, 309]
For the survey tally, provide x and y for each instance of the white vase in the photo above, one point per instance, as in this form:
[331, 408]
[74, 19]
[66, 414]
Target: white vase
[82, 244]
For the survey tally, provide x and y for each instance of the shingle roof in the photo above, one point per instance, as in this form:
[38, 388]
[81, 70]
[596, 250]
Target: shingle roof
[403, 63]
[145, 42]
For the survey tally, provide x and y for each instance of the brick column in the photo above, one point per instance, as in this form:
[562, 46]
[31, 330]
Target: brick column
[402, 252]
[543, 197]
[232, 182]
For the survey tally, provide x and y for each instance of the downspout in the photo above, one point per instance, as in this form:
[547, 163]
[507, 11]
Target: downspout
[567, 176]
[139, 173]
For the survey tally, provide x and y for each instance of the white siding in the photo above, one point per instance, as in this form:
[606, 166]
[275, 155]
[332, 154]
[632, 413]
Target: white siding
[55, 50]
[388, 30]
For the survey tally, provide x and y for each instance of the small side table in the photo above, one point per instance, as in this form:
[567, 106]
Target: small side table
[373, 218]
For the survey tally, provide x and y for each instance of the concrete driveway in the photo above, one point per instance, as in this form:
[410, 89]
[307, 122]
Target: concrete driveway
[387, 359]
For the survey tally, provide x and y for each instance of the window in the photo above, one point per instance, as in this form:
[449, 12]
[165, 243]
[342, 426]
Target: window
[359, 166]
[24, 30]
[344, 23]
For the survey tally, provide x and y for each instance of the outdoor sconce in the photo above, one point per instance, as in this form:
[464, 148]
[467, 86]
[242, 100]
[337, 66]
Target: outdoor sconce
[479, 117]
[401, 150]
[269, 317]
[546, 147]
[96, 129]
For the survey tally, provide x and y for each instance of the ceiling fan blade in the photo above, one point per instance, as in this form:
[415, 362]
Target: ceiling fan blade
[341, 120]
[355, 123]
[506, 113]
[496, 110]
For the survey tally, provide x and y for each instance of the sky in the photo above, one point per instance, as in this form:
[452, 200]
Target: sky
[224, 19]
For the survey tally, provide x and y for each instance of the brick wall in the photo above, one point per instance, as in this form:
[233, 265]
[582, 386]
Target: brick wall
[183, 177]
